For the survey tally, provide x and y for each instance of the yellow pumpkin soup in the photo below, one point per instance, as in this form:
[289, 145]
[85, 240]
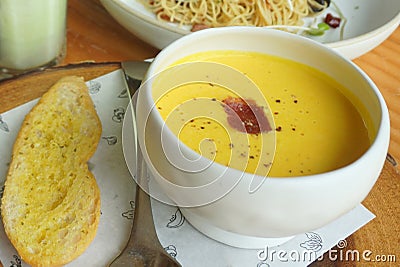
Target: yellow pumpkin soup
[314, 121]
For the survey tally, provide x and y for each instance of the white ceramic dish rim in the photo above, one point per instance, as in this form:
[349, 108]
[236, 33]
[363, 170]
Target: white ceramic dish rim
[172, 28]
[375, 144]
[393, 22]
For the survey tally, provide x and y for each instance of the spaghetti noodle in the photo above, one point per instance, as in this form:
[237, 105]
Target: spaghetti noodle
[217, 13]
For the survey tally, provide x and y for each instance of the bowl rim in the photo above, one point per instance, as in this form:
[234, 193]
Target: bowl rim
[177, 30]
[383, 127]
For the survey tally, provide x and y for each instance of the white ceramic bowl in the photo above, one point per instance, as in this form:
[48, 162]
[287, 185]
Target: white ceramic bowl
[281, 207]
[369, 23]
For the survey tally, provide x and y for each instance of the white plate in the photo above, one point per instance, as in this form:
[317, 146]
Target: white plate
[369, 23]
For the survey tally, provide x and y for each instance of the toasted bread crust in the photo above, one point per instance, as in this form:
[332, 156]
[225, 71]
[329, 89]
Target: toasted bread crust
[51, 202]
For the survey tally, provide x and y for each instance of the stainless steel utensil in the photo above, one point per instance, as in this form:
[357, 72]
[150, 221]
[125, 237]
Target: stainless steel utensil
[143, 248]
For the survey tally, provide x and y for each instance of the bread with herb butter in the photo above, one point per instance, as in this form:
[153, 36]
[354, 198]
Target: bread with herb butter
[51, 202]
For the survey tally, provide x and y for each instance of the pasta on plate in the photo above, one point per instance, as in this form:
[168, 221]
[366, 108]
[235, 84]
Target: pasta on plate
[202, 14]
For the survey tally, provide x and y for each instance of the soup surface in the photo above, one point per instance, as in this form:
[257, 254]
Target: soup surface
[304, 122]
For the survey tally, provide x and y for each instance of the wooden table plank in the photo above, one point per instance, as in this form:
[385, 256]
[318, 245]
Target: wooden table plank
[93, 35]
[383, 66]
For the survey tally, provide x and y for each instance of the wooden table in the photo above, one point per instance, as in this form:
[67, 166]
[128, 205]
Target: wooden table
[94, 36]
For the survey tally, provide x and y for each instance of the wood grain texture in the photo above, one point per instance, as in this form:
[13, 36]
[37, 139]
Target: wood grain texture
[94, 36]
[383, 66]
[24, 88]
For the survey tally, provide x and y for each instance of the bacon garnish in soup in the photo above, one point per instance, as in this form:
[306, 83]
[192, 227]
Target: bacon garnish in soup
[246, 115]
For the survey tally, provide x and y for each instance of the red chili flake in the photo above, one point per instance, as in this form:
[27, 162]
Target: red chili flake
[332, 21]
[266, 165]
[246, 116]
